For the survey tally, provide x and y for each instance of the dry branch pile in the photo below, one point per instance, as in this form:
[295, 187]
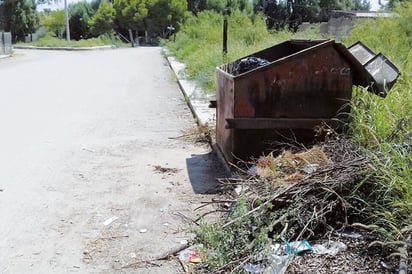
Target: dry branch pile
[313, 195]
[311, 187]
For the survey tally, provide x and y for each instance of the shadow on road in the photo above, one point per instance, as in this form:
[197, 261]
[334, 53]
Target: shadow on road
[203, 170]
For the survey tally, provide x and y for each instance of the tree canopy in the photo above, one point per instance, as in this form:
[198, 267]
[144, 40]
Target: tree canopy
[20, 17]
[291, 13]
[103, 20]
[80, 15]
[54, 21]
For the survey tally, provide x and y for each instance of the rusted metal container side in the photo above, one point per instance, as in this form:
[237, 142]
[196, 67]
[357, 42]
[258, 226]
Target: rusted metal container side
[305, 84]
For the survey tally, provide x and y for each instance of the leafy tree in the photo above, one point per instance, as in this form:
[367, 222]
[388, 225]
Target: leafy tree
[20, 17]
[131, 13]
[361, 5]
[164, 13]
[303, 11]
[277, 14]
[102, 20]
[220, 6]
[54, 22]
[96, 4]
[291, 13]
[393, 3]
[80, 15]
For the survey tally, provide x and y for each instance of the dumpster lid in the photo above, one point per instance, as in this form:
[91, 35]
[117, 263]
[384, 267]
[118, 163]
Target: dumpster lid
[377, 73]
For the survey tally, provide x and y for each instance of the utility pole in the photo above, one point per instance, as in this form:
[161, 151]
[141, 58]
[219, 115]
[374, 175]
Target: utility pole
[67, 20]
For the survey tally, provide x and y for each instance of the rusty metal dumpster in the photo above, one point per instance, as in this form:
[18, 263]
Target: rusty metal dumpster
[300, 85]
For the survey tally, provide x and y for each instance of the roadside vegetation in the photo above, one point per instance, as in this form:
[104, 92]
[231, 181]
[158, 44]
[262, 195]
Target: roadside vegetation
[368, 188]
[50, 41]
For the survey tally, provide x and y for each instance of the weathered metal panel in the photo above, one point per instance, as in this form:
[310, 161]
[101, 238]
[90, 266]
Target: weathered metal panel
[314, 85]
[377, 73]
[224, 109]
[278, 123]
[306, 83]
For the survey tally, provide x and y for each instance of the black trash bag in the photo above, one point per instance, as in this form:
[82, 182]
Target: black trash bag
[249, 63]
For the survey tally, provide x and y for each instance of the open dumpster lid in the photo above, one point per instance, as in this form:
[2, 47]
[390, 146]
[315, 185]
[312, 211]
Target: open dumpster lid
[378, 73]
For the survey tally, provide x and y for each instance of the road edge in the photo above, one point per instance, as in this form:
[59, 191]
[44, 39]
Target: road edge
[65, 48]
[200, 109]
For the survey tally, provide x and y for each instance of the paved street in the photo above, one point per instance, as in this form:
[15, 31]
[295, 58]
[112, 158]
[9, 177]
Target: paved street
[92, 176]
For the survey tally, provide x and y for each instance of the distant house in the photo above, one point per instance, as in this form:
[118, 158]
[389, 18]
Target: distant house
[341, 22]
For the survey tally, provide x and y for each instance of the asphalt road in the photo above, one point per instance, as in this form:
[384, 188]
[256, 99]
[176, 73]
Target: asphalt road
[84, 138]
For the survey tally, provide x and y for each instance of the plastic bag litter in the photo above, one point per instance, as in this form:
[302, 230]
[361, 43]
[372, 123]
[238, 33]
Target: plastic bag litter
[190, 255]
[332, 248]
[249, 63]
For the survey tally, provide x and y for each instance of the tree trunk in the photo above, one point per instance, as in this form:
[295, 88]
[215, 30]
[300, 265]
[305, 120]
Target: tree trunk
[131, 37]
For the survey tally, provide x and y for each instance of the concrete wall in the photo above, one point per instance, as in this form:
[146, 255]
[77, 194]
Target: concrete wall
[341, 26]
[5, 43]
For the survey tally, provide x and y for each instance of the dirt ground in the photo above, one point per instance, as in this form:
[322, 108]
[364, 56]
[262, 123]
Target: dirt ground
[94, 175]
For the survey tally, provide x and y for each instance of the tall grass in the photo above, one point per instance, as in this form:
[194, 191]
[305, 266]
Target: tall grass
[385, 125]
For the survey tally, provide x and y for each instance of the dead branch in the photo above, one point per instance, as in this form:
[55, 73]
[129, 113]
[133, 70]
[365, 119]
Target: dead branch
[257, 208]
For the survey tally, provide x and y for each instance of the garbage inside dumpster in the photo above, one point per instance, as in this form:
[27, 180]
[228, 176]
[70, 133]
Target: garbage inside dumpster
[249, 63]
[287, 91]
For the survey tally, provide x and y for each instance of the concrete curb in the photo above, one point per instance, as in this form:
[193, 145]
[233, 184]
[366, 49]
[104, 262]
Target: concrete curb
[65, 48]
[198, 103]
[197, 100]
[4, 56]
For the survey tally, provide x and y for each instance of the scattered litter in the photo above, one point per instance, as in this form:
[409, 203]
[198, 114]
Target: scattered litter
[126, 225]
[332, 249]
[310, 168]
[253, 269]
[132, 255]
[161, 210]
[297, 247]
[384, 265]
[167, 170]
[190, 255]
[249, 63]
[183, 242]
[238, 189]
[279, 264]
[166, 224]
[252, 170]
[352, 235]
[110, 220]
[294, 247]
[143, 230]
